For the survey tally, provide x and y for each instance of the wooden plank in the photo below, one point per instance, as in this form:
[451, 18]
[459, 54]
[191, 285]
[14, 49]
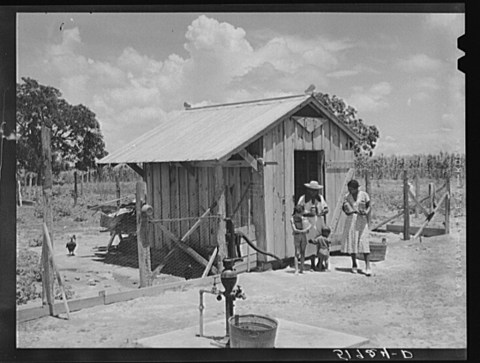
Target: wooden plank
[144, 261]
[406, 209]
[210, 262]
[258, 210]
[183, 199]
[289, 180]
[447, 206]
[136, 168]
[427, 232]
[165, 201]
[193, 204]
[197, 257]
[114, 297]
[246, 187]
[203, 203]
[269, 154]
[55, 269]
[174, 199]
[419, 232]
[47, 186]
[279, 239]
[219, 189]
[31, 313]
[417, 203]
[249, 158]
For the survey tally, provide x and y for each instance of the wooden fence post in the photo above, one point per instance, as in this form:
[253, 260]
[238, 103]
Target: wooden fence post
[406, 209]
[47, 277]
[117, 185]
[447, 206]
[144, 263]
[222, 246]
[81, 182]
[431, 195]
[417, 194]
[75, 188]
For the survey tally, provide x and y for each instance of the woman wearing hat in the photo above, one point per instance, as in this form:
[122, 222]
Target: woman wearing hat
[315, 207]
[356, 206]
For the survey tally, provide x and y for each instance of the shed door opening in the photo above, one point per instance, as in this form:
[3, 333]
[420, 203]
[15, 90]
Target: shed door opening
[309, 165]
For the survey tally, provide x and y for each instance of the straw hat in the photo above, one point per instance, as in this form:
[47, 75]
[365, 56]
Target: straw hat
[313, 185]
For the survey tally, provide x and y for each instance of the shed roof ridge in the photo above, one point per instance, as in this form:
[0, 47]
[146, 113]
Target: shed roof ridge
[247, 102]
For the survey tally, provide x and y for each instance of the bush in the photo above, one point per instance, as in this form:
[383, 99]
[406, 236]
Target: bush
[28, 274]
[36, 242]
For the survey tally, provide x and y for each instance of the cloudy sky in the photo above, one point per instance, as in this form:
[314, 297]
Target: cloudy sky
[399, 70]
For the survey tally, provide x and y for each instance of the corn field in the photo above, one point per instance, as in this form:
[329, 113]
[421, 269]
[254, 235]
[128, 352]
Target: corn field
[424, 165]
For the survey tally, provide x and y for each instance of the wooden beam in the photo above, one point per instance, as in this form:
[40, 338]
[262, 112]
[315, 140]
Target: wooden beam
[59, 278]
[430, 217]
[224, 164]
[406, 209]
[137, 168]
[249, 159]
[47, 184]
[418, 205]
[187, 249]
[447, 207]
[222, 211]
[210, 262]
[144, 263]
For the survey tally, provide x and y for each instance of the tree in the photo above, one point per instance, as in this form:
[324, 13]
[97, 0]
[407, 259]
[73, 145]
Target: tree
[348, 115]
[76, 136]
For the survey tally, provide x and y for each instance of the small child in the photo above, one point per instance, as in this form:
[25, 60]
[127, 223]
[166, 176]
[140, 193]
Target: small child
[323, 249]
[300, 226]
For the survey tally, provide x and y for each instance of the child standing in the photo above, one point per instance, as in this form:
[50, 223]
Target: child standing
[300, 227]
[323, 250]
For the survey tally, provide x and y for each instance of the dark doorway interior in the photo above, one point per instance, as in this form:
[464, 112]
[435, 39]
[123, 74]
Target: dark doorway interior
[309, 165]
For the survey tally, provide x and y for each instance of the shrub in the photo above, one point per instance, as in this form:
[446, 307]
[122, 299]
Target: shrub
[28, 274]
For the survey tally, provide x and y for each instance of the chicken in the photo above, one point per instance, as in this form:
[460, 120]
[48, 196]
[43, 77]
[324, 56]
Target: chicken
[71, 245]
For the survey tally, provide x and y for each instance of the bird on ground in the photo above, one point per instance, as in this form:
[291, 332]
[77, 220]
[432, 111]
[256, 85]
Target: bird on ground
[310, 89]
[71, 245]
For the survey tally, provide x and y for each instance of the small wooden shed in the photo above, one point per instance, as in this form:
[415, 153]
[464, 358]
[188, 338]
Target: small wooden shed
[253, 158]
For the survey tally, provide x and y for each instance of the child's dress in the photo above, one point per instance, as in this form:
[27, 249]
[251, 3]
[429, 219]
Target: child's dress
[355, 233]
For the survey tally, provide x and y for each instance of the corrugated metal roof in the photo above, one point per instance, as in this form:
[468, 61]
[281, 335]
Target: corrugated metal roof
[205, 133]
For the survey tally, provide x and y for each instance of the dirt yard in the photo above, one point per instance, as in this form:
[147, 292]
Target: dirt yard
[416, 298]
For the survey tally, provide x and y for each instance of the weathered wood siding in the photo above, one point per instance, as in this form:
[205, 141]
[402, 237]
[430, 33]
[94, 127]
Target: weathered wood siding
[181, 191]
[279, 146]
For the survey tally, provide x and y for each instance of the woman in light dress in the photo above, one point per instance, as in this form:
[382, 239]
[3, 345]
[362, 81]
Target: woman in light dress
[315, 208]
[356, 206]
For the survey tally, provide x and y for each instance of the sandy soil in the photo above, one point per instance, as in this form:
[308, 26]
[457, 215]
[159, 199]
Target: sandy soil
[416, 298]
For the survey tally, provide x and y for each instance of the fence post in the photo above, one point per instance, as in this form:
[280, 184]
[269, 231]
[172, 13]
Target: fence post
[447, 206]
[417, 194]
[75, 188]
[47, 276]
[222, 247]
[144, 264]
[81, 182]
[406, 209]
[431, 195]
[117, 185]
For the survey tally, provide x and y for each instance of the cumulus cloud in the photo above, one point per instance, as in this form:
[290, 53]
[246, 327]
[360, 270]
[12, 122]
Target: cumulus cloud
[371, 99]
[220, 66]
[419, 63]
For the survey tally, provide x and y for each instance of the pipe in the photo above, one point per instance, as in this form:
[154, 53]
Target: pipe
[241, 234]
[201, 307]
